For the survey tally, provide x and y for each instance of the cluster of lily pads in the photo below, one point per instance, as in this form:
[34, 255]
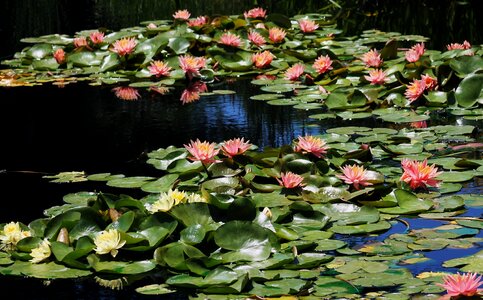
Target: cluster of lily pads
[226, 219]
[300, 61]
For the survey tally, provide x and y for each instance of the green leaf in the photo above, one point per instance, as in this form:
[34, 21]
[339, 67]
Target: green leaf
[129, 182]
[179, 45]
[120, 267]
[161, 185]
[408, 203]
[84, 59]
[247, 240]
[279, 19]
[50, 270]
[465, 65]
[470, 90]
[39, 51]
[110, 62]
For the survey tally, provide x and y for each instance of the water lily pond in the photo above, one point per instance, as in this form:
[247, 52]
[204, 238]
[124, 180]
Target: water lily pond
[240, 156]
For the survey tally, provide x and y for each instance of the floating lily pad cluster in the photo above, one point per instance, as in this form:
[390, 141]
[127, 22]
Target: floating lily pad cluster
[300, 61]
[227, 225]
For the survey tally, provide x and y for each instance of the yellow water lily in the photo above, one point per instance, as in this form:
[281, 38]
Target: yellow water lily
[11, 235]
[166, 201]
[41, 253]
[108, 241]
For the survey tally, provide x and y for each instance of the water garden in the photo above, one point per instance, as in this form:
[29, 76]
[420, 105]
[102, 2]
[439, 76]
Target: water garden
[364, 182]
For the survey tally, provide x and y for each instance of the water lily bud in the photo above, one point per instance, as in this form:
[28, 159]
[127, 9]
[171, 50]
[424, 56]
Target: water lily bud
[114, 214]
[266, 211]
[63, 236]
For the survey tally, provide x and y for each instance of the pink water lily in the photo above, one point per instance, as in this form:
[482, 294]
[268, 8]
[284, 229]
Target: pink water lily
[235, 147]
[290, 180]
[419, 48]
[456, 46]
[276, 35]
[182, 14]
[411, 55]
[97, 37]
[80, 42]
[124, 46]
[355, 175]
[322, 64]
[466, 285]
[307, 25]
[159, 68]
[191, 65]
[311, 144]
[256, 38]
[198, 22]
[256, 12]
[372, 58]
[419, 174]
[376, 76]
[262, 59]
[230, 39]
[294, 72]
[415, 90]
[202, 151]
[418, 86]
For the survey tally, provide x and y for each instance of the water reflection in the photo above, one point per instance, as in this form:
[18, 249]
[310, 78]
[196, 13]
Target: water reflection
[97, 132]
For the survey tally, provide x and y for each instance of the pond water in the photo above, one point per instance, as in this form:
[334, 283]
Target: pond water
[47, 129]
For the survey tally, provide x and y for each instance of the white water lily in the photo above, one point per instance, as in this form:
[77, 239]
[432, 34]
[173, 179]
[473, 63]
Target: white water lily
[108, 241]
[41, 253]
[12, 234]
[195, 198]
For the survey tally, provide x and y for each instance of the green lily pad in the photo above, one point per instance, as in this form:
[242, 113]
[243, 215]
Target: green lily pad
[330, 286]
[155, 289]
[161, 185]
[472, 263]
[129, 182]
[50, 270]
[456, 176]
[470, 90]
[408, 203]
[247, 241]
[119, 267]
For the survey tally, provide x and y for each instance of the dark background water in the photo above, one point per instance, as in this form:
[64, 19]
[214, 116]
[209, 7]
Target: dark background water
[46, 130]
